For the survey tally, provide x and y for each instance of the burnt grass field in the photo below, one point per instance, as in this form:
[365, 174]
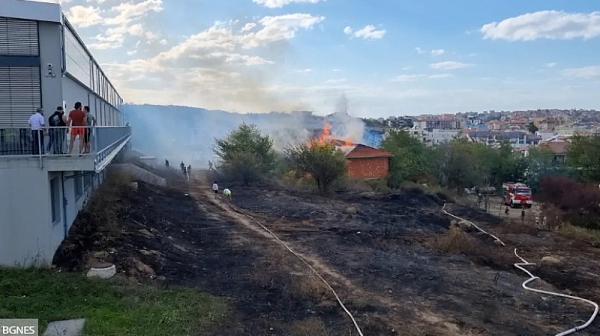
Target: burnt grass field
[394, 259]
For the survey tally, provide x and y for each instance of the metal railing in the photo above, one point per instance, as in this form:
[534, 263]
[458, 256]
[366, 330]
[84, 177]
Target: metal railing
[62, 141]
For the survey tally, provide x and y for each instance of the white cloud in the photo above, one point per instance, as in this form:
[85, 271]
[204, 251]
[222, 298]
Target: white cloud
[336, 70]
[136, 29]
[440, 76]
[102, 46]
[54, 1]
[449, 65]
[585, 72]
[406, 68]
[438, 52]
[122, 24]
[129, 11]
[150, 36]
[551, 65]
[281, 3]
[81, 16]
[132, 52]
[248, 26]
[407, 78]
[303, 70]
[278, 28]
[348, 30]
[369, 32]
[336, 81]
[419, 50]
[549, 24]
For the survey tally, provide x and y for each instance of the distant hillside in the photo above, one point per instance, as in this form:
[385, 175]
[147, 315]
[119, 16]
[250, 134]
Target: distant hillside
[187, 133]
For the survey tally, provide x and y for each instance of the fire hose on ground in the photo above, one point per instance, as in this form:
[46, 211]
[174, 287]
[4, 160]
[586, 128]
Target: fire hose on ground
[305, 263]
[532, 278]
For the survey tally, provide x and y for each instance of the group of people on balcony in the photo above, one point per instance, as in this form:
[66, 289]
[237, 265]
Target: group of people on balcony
[80, 121]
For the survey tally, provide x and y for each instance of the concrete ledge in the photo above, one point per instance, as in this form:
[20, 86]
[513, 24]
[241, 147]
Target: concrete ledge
[141, 174]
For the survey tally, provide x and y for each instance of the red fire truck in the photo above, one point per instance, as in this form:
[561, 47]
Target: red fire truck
[516, 194]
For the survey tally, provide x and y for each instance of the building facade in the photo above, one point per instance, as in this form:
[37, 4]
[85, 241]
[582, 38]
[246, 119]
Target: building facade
[366, 162]
[44, 64]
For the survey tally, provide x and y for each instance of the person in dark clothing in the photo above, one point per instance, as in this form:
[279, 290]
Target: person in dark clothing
[57, 135]
[167, 164]
[189, 169]
[182, 165]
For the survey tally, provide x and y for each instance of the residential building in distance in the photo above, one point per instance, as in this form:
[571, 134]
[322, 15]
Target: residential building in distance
[44, 64]
[440, 122]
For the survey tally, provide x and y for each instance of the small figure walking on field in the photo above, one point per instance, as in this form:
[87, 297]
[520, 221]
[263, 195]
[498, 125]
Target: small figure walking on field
[506, 211]
[227, 194]
[215, 188]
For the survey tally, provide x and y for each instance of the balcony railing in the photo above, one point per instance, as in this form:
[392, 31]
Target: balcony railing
[100, 143]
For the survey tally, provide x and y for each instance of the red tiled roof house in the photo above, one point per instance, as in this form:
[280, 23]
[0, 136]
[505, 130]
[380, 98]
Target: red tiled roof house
[366, 162]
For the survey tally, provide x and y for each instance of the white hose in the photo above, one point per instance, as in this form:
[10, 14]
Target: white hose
[533, 278]
[307, 264]
[477, 227]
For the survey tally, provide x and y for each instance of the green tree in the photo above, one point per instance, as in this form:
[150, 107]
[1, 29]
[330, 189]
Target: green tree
[323, 162]
[532, 128]
[540, 164]
[456, 165]
[410, 161]
[245, 153]
[583, 156]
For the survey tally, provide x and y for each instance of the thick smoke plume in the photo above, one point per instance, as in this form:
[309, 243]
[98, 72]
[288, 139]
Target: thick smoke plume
[179, 133]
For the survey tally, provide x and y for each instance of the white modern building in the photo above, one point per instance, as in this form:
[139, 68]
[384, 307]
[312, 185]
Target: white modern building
[435, 137]
[43, 63]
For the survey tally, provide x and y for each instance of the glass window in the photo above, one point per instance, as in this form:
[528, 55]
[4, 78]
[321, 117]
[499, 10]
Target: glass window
[78, 185]
[87, 181]
[55, 200]
[77, 59]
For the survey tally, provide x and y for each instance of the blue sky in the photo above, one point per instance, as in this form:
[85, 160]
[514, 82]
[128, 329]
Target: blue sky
[388, 57]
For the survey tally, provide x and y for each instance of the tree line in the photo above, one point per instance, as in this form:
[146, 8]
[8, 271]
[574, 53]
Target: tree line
[465, 164]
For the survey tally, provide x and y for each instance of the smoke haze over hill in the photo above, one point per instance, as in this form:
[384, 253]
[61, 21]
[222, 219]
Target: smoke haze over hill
[184, 133]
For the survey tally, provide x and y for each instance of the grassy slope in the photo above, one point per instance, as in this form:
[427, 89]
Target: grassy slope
[109, 307]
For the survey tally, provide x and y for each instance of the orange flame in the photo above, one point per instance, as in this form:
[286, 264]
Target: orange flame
[325, 137]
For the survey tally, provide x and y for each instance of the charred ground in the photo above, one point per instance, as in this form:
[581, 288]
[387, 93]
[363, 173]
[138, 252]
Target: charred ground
[381, 252]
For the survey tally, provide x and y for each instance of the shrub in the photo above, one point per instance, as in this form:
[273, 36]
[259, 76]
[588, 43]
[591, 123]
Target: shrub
[579, 203]
[245, 154]
[323, 162]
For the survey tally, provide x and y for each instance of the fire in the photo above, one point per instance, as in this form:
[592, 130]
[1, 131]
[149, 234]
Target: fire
[325, 137]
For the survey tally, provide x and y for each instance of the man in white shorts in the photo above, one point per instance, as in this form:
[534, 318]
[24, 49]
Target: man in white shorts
[215, 188]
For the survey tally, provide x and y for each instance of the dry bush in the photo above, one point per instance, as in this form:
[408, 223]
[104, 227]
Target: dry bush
[455, 240]
[309, 286]
[98, 223]
[551, 217]
[514, 226]
[589, 236]
[310, 327]
[578, 202]
[102, 212]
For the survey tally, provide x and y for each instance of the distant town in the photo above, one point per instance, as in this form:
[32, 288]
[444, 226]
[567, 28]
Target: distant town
[552, 128]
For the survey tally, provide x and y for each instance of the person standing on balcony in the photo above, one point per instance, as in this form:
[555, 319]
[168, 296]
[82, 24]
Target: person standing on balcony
[91, 122]
[57, 135]
[77, 120]
[37, 123]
